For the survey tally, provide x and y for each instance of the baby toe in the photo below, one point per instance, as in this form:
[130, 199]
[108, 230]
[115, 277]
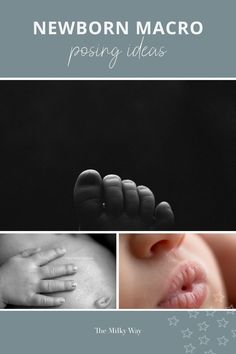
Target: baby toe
[131, 197]
[147, 203]
[88, 194]
[113, 194]
[164, 216]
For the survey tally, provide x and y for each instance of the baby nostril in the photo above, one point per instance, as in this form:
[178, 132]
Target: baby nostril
[184, 288]
[158, 245]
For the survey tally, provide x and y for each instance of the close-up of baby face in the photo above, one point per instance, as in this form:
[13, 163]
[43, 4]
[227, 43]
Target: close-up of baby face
[169, 271]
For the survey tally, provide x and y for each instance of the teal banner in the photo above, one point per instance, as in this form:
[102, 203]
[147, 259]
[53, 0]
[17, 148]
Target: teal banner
[87, 38]
[206, 332]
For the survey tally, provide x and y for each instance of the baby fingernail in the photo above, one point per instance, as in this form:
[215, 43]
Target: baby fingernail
[61, 250]
[74, 285]
[103, 302]
[74, 268]
[35, 250]
[62, 300]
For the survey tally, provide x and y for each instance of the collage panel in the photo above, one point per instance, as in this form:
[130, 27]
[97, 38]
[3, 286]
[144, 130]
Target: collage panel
[177, 271]
[118, 144]
[57, 271]
[119, 156]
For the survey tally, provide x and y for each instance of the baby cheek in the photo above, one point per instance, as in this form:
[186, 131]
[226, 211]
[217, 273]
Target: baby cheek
[131, 283]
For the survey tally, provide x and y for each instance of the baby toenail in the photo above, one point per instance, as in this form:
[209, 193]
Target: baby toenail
[128, 181]
[112, 177]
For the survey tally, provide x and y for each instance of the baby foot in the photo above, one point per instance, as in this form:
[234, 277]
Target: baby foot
[112, 204]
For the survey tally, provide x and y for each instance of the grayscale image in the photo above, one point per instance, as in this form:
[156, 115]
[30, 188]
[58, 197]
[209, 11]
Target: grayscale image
[139, 155]
[49, 270]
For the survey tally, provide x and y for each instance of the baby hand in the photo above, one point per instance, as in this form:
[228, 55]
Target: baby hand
[25, 277]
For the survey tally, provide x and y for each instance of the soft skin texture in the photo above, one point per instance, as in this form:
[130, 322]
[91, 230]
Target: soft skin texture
[27, 278]
[224, 248]
[95, 276]
[115, 204]
[148, 261]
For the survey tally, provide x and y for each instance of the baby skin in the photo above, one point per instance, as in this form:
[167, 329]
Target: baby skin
[113, 204]
[56, 270]
[177, 271]
[26, 279]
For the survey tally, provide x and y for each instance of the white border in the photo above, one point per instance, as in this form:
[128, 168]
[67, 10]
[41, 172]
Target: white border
[114, 78]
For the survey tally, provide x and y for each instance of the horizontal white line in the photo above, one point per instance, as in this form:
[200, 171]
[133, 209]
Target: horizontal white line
[175, 78]
[117, 232]
[58, 232]
[118, 310]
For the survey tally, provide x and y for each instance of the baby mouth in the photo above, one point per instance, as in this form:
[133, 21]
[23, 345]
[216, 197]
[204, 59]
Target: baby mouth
[187, 289]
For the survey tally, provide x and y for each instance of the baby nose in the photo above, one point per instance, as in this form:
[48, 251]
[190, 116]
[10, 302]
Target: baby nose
[147, 246]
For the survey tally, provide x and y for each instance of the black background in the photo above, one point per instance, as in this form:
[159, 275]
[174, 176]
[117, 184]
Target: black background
[177, 137]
